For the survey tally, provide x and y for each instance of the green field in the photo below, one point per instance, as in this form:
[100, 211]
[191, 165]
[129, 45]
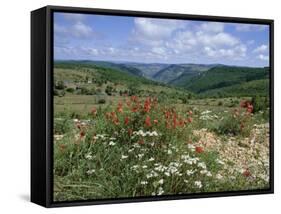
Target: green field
[118, 134]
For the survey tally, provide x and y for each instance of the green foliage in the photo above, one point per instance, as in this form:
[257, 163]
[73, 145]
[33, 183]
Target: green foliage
[70, 90]
[101, 101]
[60, 85]
[260, 103]
[62, 126]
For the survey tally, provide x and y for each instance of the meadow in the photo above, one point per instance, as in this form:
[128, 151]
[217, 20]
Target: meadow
[128, 137]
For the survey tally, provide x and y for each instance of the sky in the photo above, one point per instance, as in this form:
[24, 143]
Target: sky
[151, 40]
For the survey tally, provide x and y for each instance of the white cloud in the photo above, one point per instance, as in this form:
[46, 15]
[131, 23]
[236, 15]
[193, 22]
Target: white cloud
[149, 31]
[250, 27]
[81, 30]
[76, 30]
[261, 49]
[263, 57]
[156, 28]
[236, 53]
[214, 27]
[217, 40]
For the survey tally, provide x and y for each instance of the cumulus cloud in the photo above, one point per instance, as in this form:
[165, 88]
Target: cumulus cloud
[207, 39]
[76, 30]
[161, 40]
[263, 57]
[261, 49]
[214, 27]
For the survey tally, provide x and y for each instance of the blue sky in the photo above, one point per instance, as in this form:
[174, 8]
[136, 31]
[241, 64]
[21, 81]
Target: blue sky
[150, 40]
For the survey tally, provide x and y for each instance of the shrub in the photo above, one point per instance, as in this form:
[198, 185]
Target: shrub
[260, 103]
[220, 103]
[101, 101]
[62, 126]
[60, 85]
[70, 90]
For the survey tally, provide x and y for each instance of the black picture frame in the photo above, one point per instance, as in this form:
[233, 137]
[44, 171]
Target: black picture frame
[42, 104]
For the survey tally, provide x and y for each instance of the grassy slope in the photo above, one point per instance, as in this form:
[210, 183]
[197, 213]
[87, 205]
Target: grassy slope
[222, 77]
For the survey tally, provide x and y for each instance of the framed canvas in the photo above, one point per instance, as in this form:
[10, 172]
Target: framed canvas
[131, 106]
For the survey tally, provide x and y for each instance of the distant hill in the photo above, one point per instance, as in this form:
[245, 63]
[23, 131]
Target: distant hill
[246, 89]
[177, 74]
[225, 76]
[201, 79]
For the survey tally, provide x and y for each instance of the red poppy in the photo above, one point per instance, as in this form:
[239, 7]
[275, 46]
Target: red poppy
[247, 173]
[116, 121]
[199, 149]
[82, 134]
[189, 120]
[134, 98]
[135, 109]
[62, 147]
[147, 105]
[107, 115]
[120, 107]
[167, 124]
[174, 122]
[126, 121]
[250, 108]
[147, 121]
[94, 111]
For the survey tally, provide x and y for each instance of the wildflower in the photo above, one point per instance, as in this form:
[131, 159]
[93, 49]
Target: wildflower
[144, 167]
[151, 159]
[147, 121]
[130, 132]
[189, 120]
[134, 98]
[247, 173]
[219, 176]
[161, 181]
[202, 165]
[160, 191]
[131, 150]
[147, 105]
[124, 156]
[198, 184]
[116, 121]
[144, 182]
[141, 142]
[167, 174]
[90, 171]
[94, 111]
[199, 149]
[62, 147]
[135, 109]
[190, 112]
[155, 121]
[119, 108]
[154, 133]
[169, 152]
[126, 121]
[82, 134]
[111, 143]
[190, 172]
[152, 174]
[89, 156]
